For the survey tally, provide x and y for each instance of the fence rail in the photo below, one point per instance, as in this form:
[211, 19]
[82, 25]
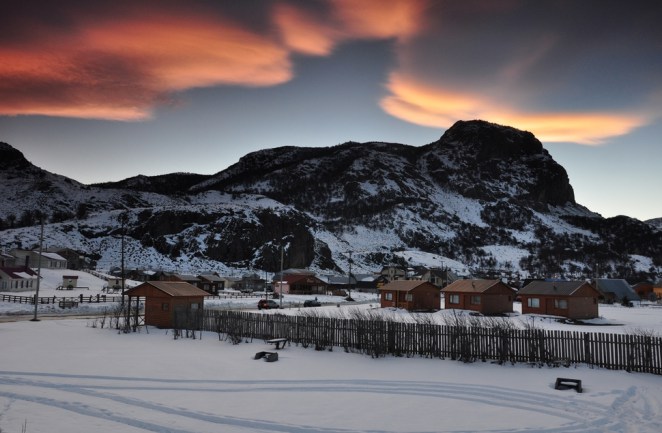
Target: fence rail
[92, 299]
[377, 338]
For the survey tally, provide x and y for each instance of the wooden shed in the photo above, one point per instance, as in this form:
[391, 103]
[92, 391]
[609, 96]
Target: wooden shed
[170, 304]
[571, 299]
[489, 297]
[412, 295]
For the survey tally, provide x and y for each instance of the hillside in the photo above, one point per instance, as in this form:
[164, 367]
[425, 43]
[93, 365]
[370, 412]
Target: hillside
[484, 198]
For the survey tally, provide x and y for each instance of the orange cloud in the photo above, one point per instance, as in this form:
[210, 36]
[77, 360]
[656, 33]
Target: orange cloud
[381, 18]
[311, 34]
[122, 68]
[305, 33]
[439, 108]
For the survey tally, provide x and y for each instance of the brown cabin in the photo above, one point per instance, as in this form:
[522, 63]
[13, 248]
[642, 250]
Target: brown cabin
[301, 285]
[571, 299]
[412, 295]
[488, 297]
[169, 304]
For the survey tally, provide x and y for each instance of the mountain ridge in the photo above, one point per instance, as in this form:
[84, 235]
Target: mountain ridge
[480, 187]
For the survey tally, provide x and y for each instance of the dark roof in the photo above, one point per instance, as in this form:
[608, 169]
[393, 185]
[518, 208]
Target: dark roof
[210, 277]
[565, 288]
[302, 279]
[404, 285]
[172, 288]
[472, 286]
[619, 288]
[18, 272]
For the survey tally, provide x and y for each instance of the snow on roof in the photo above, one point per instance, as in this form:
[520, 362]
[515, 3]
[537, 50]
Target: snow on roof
[53, 256]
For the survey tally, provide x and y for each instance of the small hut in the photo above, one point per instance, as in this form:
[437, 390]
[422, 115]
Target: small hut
[69, 282]
[170, 304]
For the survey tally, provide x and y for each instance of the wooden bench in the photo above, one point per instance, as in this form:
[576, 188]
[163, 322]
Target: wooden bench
[564, 383]
[279, 342]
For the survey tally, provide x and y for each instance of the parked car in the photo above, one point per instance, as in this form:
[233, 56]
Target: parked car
[311, 303]
[267, 304]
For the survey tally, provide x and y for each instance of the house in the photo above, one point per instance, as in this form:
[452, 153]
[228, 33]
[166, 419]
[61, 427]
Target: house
[170, 304]
[657, 290]
[412, 295]
[230, 282]
[369, 282]
[440, 277]
[140, 275]
[337, 283]
[17, 279]
[645, 291]
[7, 260]
[251, 282]
[188, 278]
[75, 260]
[488, 297]
[300, 284]
[211, 283]
[571, 299]
[393, 273]
[615, 290]
[33, 260]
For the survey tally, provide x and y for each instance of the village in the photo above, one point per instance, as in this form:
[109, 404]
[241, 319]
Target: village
[413, 289]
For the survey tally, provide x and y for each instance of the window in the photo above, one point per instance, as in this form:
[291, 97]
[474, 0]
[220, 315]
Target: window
[409, 297]
[194, 306]
[454, 299]
[475, 299]
[561, 304]
[388, 296]
[165, 306]
[533, 302]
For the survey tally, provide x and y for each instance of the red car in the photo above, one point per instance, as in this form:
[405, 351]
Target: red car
[267, 304]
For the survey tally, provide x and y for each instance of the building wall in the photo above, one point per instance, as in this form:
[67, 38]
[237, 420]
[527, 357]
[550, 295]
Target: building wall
[583, 308]
[578, 307]
[496, 300]
[8, 284]
[423, 298]
[160, 307]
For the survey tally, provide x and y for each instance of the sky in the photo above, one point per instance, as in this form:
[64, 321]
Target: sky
[104, 90]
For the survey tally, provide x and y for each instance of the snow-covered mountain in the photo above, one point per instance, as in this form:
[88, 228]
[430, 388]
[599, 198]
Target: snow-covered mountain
[484, 197]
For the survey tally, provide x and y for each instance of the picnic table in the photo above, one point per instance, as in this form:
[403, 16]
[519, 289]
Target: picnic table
[279, 342]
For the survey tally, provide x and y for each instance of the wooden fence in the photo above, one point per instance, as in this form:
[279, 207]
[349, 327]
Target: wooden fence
[640, 353]
[92, 299]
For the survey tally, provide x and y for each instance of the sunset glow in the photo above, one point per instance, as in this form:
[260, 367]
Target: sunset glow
[225, 78]
[437, 107]
[122, 70]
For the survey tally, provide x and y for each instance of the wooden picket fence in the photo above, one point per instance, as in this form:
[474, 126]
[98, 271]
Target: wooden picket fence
[640, 353]
[92, 299]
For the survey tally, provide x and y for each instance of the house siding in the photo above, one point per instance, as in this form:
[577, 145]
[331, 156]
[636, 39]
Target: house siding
[423, 298]
[160, 307]
[497, 299]
[578, 307]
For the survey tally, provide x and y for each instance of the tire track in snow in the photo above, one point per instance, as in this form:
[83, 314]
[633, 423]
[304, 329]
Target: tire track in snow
[633, 410]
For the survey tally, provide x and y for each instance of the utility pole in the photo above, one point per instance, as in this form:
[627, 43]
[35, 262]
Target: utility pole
[41, 244]
[123, 217]
[281, 276]
[349, 278]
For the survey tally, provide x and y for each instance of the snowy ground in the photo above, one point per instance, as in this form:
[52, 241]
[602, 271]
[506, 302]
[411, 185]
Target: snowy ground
[67, 376]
